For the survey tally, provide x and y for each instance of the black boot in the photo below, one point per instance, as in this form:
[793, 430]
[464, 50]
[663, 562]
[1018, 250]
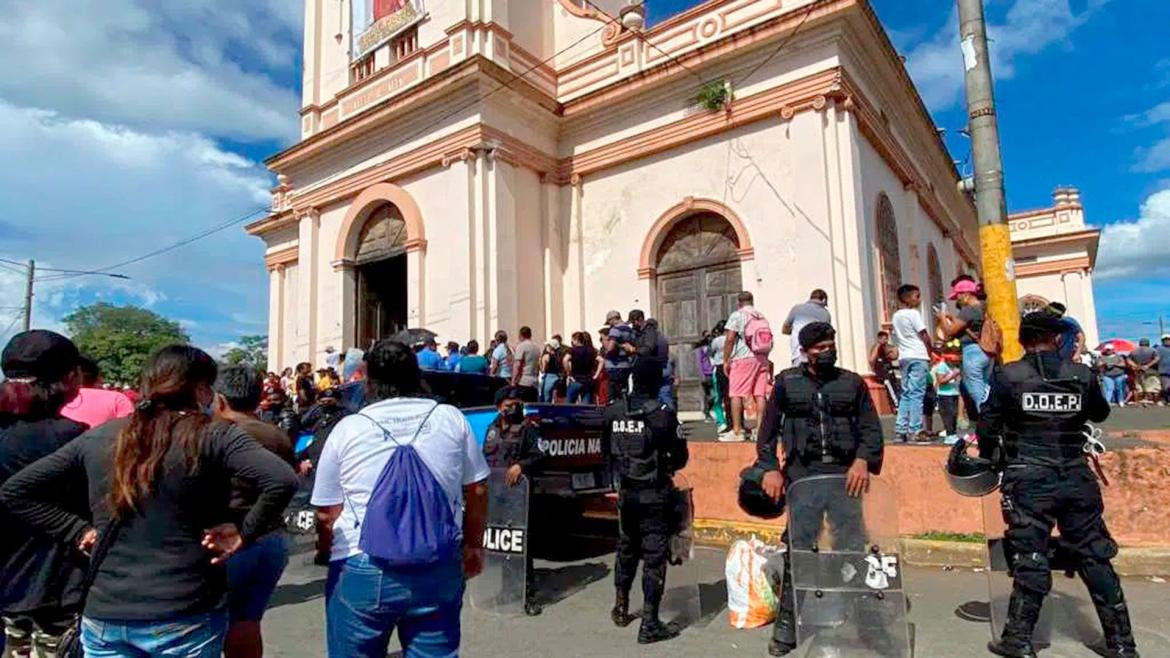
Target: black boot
[621, 610]
[783, 639]
[1023, 612]
[652, 629]
[1119, 642]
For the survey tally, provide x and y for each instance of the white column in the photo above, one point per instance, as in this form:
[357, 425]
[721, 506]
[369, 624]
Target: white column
[305, 345]
[346, 303]
[275, 316]
[504, 273]
[416, 280]
[553, 260]
[575, 260]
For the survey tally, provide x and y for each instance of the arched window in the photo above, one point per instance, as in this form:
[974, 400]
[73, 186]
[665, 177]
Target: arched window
[888, 254]
[934, 279]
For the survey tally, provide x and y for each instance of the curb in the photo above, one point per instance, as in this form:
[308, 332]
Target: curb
[1130, 560]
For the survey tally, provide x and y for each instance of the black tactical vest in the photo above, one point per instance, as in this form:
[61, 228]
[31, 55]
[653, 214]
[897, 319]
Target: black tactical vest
[632, 444]
[1049, 409]
[503, 447]
[820, 417]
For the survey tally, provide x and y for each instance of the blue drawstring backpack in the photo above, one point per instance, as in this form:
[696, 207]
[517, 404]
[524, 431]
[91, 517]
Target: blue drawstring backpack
[409, 521]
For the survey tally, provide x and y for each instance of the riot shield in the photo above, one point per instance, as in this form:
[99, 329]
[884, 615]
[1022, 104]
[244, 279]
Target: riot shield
[680, 604]
[846, 570]
[500, 588]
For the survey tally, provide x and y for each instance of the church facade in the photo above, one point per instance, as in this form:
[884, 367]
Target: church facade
[474, 165]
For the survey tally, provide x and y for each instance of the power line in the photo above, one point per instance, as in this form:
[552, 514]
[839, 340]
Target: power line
[807, 12]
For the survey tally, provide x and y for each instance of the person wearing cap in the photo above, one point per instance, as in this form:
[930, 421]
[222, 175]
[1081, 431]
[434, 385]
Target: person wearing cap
[822, 420]
[513, 444]
[428, 355]
[976, 365]
[1164, 367]
[619, 349]
[40, 578]
[645, 451]
[1072, 336]
[1033, 425]
[1144, 361]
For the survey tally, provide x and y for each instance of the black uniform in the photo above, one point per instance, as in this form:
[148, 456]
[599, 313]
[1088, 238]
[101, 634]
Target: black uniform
[1033, 421]
[646, 451]
[823, 422]
[504, 447]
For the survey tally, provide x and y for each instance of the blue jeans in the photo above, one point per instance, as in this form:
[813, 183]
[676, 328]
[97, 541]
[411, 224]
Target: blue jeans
[581, 391]
[976, 373]
[195, 636]
[547, 382]
[915, 374]
[365, 602]
[253, 574]
[1114, 388]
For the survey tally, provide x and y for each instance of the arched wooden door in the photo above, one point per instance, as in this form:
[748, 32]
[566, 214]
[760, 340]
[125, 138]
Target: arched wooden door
[698, 278]
[381, 276]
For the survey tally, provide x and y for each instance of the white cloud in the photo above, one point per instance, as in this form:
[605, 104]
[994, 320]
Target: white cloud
[1138, 247]
[1029, 27]
[80, 194]
[158, 65]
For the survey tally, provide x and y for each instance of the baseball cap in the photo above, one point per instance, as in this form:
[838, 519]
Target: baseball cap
[961, 287]
[39, 354]
[507, 393]
[613, 315]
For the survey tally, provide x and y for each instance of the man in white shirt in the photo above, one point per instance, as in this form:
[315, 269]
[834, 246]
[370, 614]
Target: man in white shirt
[914, 351]
[376, 598]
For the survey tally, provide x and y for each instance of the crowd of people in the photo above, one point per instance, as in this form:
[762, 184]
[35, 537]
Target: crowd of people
[156, 525]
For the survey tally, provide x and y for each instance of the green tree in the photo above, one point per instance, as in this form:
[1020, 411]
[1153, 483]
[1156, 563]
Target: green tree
[249, 351]
[121, 338]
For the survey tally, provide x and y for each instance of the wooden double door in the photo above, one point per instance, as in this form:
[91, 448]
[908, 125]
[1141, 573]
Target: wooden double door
[698, 278]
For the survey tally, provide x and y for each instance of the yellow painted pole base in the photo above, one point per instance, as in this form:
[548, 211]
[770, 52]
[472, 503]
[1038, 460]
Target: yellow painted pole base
[999, 280]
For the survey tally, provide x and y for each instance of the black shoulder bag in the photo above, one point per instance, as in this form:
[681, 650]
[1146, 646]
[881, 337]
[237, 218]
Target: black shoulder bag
[69, 646]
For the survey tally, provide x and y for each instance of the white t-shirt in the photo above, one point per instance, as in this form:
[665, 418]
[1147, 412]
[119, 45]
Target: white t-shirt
[356, 452]
[717, 344]
[907, 323]
[737, 322]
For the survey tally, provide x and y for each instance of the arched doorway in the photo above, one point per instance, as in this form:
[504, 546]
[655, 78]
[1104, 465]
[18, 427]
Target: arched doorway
[934, 276]
[380, 269]
[697, 278]
[889, 255]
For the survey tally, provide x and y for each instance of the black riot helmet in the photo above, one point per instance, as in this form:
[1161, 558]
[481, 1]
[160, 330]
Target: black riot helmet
[970, 476]
[752, 498]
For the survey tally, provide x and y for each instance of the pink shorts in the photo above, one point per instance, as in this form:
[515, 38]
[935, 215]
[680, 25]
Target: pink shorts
[749, 377]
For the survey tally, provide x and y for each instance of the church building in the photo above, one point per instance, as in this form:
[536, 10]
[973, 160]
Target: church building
[473, 165]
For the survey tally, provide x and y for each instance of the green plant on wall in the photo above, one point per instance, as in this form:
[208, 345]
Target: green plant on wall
[715, 95]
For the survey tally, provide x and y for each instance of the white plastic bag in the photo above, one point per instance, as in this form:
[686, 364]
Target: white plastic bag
[751, 600]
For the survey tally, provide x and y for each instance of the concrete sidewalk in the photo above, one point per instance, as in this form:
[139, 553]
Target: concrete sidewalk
[575, 623]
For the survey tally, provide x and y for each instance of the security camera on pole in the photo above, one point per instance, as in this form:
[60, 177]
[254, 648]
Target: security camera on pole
[995, 241]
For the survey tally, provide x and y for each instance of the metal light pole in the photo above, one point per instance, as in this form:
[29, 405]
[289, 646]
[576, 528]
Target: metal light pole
[995, 240]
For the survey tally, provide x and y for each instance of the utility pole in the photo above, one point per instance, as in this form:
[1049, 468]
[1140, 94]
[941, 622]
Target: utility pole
[995, 240]
[28, 294]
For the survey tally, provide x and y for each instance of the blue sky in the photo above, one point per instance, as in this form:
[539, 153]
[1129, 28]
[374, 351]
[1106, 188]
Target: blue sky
[130, 124]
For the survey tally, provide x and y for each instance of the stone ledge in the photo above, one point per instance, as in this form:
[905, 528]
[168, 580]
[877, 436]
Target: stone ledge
[1130, 561]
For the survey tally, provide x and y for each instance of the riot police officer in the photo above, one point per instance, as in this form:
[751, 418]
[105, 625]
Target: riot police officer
[645, 448]
[513, 443]
[1033, 424]
[826, 423]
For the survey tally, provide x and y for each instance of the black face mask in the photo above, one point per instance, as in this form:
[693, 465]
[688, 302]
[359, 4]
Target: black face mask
[514, 415]
[826, 359]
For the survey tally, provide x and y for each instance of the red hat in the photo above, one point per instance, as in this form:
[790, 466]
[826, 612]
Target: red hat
[964, 286]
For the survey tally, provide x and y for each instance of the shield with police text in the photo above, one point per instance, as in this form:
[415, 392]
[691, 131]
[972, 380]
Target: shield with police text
[846, 569]
[501, 586]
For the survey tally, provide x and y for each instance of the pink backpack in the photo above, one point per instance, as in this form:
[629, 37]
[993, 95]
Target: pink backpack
[758, 334]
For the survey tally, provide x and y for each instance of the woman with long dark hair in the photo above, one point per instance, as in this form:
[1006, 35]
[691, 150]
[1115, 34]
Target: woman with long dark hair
[39, 577]
[158, 485]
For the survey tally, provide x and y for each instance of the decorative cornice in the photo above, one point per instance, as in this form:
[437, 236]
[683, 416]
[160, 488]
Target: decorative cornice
[280, 258]
[1062, 266]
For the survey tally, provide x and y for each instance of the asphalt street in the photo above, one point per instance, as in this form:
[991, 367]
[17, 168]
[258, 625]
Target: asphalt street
[578, 594]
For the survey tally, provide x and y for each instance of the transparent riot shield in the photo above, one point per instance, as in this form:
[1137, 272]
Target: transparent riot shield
[846, 570]
[500, 588]
[680, 604]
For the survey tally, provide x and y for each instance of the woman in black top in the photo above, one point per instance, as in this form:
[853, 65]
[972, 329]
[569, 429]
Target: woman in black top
[306, 391]
[583, 363]
[159, 485]
[550, 368]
